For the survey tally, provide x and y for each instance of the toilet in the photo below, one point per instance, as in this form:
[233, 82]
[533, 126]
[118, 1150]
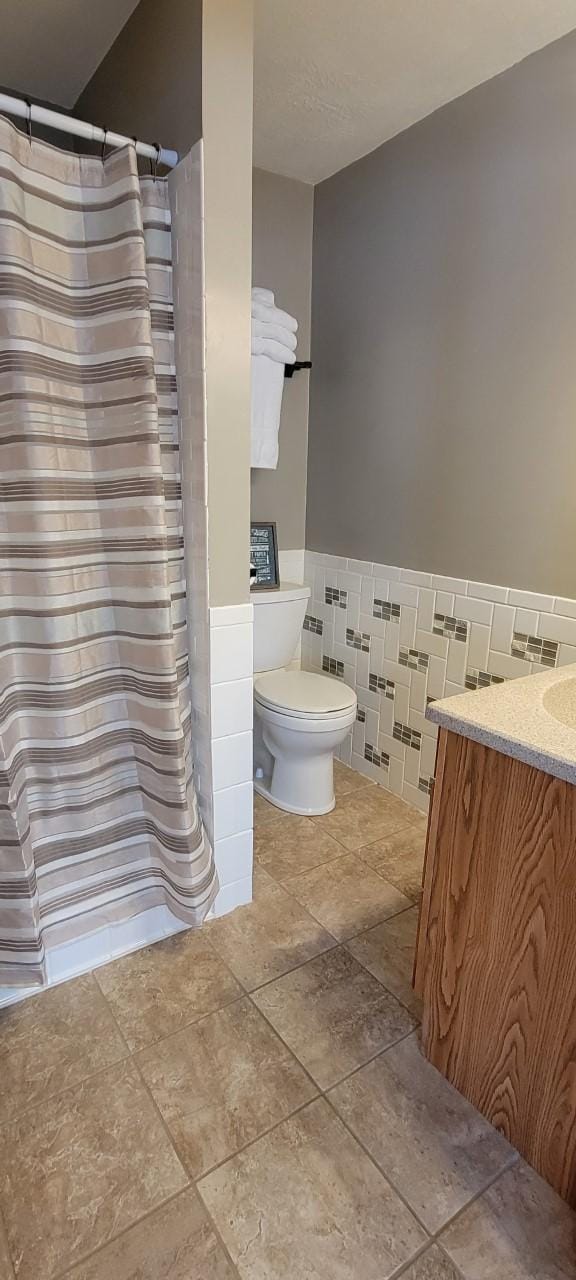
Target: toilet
[300, 718]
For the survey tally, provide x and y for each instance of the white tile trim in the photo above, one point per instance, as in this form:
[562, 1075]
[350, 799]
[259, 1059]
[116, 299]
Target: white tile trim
[72, 959]
[291, 565]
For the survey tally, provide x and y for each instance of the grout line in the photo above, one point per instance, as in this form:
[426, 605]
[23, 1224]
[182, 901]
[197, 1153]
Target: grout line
[238, 1151]
[87, 1257]
[433, 1236]
[326, 951]
[326, 862]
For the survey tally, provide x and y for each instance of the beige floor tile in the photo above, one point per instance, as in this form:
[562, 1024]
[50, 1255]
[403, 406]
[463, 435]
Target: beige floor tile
[52, 1041]
[433, 1265]
[268, 937]
[437, 1150]
[348, 780]
[177, 1242]
[6, 1272]
[264, 812]
[155, 992]
[346, 896]
[387, 951]
[293, 845]
[333, 1015]
[400, 858]
[518, 1230]
[261, 881]
[305, 1201]
[80, 1168]
[222, 1082]
[364, 816]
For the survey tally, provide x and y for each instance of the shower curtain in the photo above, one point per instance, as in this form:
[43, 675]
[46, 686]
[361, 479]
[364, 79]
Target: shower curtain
[98, 814]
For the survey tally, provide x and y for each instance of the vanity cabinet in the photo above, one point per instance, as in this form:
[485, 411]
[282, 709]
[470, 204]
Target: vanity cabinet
[496, 954]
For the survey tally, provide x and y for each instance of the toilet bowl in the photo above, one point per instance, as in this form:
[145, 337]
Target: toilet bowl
[300, 717]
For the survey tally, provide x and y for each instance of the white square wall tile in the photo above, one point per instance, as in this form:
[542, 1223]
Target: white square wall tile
[231, 652]
[445, 603]
[529, 600]
[503, 664]
[367, 594]
[565, 607]
[232, 760]
[552, 626]
[233, 856]
[455, 585]
[412, 768]
[349, 581]
[478, 645]
[526, 621]
[456, 663]
[230, 896]
[428, 756]
[291, 564]
[426, 607]
[396, 777]
[229, 615]
[387, 571]
[407, 626]
[373, 626]
[436, 677]
[473, 610]
[502, 628]
[416, 578]
[412, 795]
[403, 593]
[487, 591]
[392, 642]
[232, 707]
[430, 643]
[233, 810]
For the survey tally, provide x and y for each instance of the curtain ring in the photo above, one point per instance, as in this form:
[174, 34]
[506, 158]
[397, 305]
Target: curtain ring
[29, 120]
[154, 164]
[103, 147]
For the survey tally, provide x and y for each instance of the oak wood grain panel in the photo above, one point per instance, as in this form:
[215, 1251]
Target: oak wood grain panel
[497, 964]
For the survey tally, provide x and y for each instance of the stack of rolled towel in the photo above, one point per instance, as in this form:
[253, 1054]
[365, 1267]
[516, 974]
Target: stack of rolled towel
[273, 346]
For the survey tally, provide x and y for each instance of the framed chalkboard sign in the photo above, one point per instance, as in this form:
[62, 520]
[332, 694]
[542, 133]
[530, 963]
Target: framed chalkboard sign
[264, 574]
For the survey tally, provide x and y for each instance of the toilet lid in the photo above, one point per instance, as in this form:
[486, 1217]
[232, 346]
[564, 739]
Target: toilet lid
[303, 693]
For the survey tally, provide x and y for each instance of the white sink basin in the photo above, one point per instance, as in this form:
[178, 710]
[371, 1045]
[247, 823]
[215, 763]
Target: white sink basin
[560, 702]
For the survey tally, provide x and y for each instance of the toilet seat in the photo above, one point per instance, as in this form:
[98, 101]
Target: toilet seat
[303, 695]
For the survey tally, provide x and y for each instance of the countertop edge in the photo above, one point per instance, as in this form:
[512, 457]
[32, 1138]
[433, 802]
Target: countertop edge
[546, 762]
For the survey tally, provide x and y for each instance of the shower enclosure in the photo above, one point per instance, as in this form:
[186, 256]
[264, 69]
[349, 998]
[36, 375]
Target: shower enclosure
[99, 818]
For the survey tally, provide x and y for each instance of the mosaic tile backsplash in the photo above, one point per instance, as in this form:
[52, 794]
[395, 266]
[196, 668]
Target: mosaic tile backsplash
[401, 639]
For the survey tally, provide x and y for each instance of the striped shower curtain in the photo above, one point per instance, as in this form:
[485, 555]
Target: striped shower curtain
[98, 815]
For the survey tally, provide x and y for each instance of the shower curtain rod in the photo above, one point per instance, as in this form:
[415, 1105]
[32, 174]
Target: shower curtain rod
[67, 124]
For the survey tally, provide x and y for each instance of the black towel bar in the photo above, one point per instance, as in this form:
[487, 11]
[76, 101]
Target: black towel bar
[290, 369]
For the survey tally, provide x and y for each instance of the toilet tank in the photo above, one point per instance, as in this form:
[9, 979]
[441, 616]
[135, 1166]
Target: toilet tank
[278, 618]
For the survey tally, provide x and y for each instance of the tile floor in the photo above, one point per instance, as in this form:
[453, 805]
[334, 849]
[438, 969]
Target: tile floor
[250, 1102]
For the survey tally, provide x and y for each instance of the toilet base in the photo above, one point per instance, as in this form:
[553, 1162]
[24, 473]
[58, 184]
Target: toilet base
[262, 787]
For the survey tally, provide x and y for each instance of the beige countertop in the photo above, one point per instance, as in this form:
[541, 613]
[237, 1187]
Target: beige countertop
[532, 719]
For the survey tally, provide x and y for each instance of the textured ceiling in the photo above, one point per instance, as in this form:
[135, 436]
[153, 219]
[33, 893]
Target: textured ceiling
[335, 78]
[50, 48]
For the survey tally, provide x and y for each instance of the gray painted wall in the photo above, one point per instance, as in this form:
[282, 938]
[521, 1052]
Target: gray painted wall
[150, 82]
[282, 212]
[443, 394]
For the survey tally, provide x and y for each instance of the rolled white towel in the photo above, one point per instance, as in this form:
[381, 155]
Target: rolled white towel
[275, 350]
[273, 315]
[261, 329]
[263, 295]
